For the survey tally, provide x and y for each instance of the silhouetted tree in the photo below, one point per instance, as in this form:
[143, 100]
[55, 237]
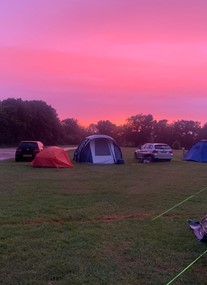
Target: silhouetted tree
[162, 132]
[28, 120]
[186, 132]
[139, 129]
[106, 128]
[91, 129]
[203, 133]
[35, 120]
[12, 122]
[73, 132]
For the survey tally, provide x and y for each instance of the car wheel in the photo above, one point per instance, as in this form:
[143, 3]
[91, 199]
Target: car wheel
[153, 158]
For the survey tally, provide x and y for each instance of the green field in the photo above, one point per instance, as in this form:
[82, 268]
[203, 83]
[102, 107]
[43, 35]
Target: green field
[100, 224]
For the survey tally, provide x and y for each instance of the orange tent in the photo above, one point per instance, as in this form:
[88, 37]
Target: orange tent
[52, 156]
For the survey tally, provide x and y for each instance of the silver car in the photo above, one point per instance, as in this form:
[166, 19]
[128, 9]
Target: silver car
[153, 152]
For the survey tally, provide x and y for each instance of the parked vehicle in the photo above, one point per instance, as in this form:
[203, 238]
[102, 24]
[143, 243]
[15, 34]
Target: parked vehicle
[27, 150]
[153, 152]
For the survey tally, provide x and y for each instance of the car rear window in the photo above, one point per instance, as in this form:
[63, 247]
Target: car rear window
[162, 147]
[29, 144]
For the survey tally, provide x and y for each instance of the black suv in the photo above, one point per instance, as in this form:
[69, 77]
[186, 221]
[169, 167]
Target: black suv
[27, 150]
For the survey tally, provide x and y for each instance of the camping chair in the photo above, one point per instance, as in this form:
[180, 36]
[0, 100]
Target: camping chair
[199, 228]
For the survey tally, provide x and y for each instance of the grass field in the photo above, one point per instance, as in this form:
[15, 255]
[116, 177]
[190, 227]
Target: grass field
[102, 224]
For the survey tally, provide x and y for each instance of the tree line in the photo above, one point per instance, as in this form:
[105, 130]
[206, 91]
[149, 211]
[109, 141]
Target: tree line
[36, 120]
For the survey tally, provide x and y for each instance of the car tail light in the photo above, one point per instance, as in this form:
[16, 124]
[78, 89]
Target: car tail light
[18, 149]
[154, 151]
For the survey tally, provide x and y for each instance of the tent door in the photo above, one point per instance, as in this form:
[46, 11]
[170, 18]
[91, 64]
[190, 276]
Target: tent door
[102, 151]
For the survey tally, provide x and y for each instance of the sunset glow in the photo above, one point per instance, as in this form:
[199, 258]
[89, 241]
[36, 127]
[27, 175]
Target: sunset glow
[107, 60]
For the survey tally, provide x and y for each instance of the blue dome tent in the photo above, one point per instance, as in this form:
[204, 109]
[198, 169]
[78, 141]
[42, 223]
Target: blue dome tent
[198, 152]
[99, 149]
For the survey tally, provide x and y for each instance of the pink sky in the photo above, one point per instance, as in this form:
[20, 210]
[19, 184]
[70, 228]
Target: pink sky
[107, 60]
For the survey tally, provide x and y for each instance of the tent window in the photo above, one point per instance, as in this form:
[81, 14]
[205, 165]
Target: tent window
[101, 147]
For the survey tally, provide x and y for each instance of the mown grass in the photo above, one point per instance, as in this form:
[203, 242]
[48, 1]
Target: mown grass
[94, 224]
